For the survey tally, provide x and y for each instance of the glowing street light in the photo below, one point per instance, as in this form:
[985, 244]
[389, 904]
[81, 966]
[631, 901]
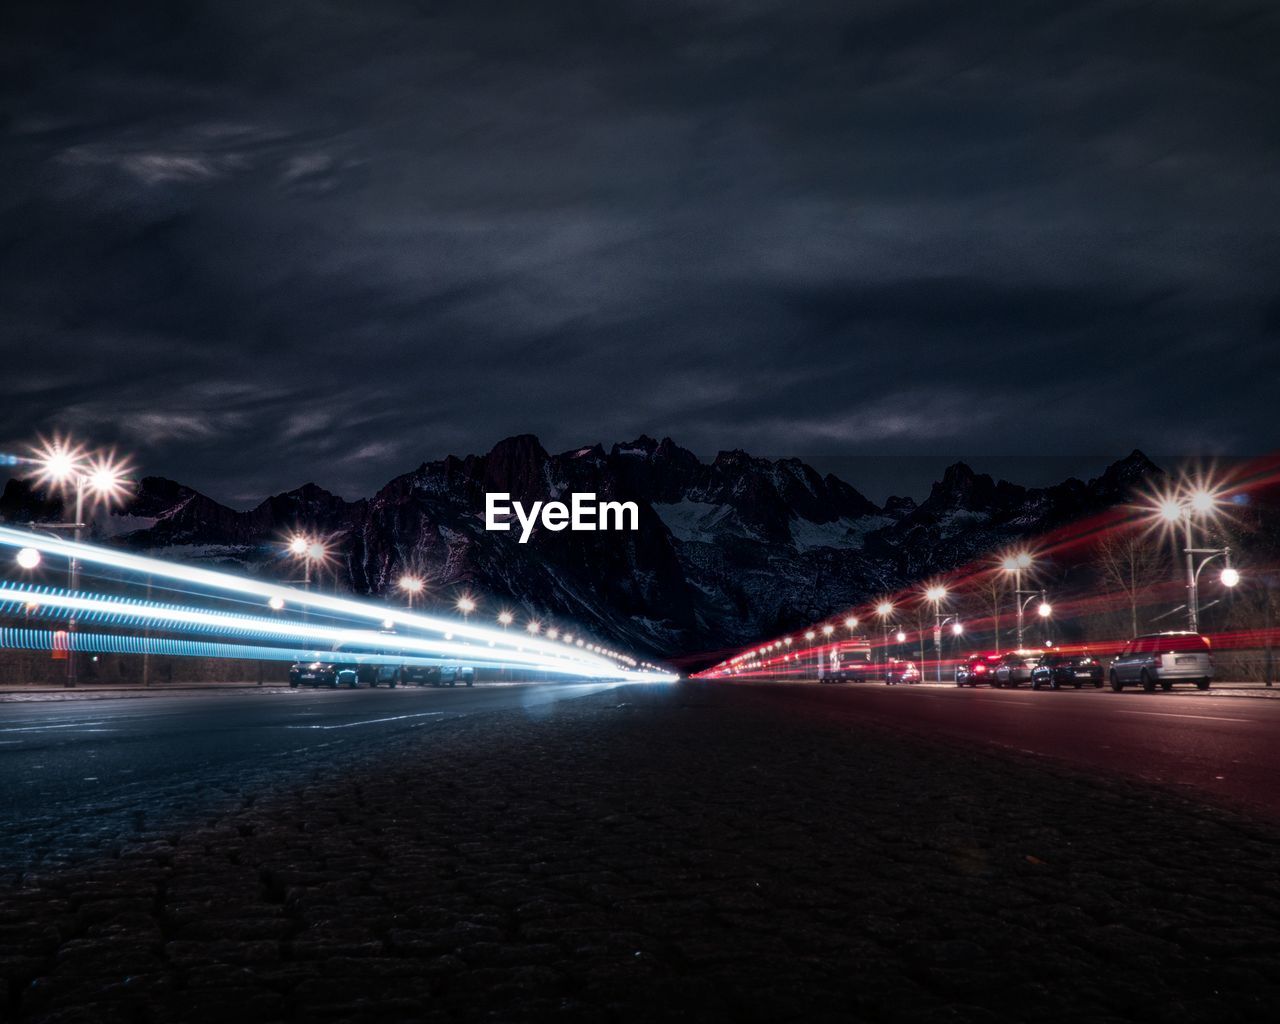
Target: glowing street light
[411, 586]
[828, 629]
[1045, 609]
[505, 618]
[884, 610]
[851, 623]
[1177, 509]
[310, 551]
[28, 558]
[466, 604]
[935, 595]
[275, 602]
[1014, 564]
[901, 637]
[809, 635]
[61, 463]
[533, 627]
[957, 628]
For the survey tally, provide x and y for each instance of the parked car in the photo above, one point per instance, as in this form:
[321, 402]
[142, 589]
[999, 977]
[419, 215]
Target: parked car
[323, 673]
[977, 668]
[452, 675]
[1015, 668]
[1057, 670]
[1162, 659]
[899, 671]
[438, 675]
[420, 675]
[386, 675]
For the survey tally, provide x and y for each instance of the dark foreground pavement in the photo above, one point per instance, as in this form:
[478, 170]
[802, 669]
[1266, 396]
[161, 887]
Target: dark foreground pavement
[651, 853]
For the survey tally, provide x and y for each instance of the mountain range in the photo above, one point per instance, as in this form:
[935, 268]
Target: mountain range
[728, 551]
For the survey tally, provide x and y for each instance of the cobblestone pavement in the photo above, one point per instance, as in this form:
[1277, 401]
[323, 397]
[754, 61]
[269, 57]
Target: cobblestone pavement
[662, 853]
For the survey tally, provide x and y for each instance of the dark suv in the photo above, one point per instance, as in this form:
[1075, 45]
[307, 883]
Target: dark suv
[1058, 670]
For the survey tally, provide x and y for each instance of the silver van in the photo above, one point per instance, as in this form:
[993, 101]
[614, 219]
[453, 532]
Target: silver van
[1162, 659]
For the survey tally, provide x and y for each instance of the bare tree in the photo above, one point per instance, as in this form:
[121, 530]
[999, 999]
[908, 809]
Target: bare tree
[1129, 564]
[990, 592]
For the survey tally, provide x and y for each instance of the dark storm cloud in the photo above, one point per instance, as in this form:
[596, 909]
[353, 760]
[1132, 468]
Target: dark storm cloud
[260, 243]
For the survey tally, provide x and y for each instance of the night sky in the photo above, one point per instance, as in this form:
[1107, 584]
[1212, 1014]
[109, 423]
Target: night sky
[260, 243]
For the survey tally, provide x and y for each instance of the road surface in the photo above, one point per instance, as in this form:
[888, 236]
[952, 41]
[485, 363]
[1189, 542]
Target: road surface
[74, 771]
[1226, 748]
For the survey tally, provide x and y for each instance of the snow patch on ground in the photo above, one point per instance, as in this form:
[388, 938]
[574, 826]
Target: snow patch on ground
[693, 520]
[114, 526]
[843, 533]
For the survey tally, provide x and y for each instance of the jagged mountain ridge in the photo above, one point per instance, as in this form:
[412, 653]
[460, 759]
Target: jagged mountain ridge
[727, 551]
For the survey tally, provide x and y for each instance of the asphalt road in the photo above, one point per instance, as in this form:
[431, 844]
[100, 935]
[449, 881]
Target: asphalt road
[74, 770]
[1225, 748]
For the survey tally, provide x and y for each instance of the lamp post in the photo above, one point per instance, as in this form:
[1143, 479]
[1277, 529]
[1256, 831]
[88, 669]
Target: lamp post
[1014, 564]
[1177, 511]
[466, 604]
[308, 550]
[101, 478]
[1044, 610]
[884, 610]
[935, 595]
[411, 586]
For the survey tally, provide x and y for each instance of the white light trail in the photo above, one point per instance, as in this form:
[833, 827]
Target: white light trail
[294, 598]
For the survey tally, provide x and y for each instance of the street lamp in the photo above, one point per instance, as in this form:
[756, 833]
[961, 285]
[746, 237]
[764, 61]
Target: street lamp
[275, 602]
[412, 586]
[935, 595]
[309, 550]
[533, 627]
[1177, 510]
[466, 604]
[101, 477]
[28, 558]
[1014, 564]
[884, 610]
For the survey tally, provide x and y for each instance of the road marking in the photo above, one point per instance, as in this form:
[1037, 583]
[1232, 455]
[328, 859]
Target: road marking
[1170, 714]
[367, 721]
[44, 728]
